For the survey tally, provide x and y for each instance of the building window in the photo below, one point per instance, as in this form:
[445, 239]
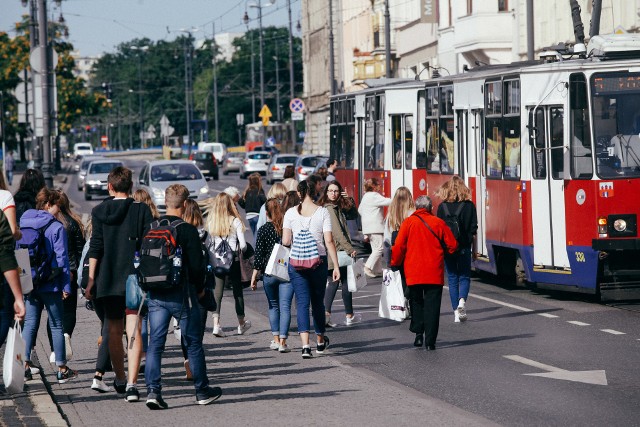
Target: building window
[503, 5]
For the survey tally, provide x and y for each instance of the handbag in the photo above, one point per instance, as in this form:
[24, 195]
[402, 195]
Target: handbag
[246, 259]
[356, 279]
[393, 304]
[344, 259]
[24, 265]
[134, 294]
[278, 264]
[13, 363]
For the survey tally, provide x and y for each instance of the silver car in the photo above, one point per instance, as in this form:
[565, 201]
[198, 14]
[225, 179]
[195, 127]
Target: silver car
[95, 182]
[231, 162]
[305, 166]
[255, 161]
[81, 168]
[278, 164]
[157, 175]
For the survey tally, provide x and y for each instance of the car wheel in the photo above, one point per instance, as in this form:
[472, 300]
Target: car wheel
[216, 177]
[225, 173]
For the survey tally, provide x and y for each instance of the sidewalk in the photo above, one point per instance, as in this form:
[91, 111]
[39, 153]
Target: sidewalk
[259, 385]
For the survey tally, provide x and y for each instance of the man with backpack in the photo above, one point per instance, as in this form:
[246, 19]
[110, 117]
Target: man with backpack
[172, 271]
[118, 225]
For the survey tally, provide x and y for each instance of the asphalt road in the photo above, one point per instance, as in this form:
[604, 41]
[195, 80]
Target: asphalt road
[522, 358]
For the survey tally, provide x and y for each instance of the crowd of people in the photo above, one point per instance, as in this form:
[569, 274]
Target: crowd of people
[103, 259]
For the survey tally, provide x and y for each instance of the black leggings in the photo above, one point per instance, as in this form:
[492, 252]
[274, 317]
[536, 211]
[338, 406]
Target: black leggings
[103, 362]
[332, 289]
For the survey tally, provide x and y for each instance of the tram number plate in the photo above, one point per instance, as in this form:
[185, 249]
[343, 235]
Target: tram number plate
[580, 257]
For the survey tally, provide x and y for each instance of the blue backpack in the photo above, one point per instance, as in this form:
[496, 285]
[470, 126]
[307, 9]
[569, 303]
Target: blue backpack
[34, 241]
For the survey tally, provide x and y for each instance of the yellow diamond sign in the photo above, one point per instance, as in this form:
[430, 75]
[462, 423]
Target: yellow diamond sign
[265, 115]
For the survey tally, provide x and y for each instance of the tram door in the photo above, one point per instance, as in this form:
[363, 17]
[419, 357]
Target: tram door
[401, 151]
[462, 118]
[547, 187]
[476, 141]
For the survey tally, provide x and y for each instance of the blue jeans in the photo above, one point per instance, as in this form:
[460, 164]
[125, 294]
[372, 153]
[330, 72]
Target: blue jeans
[35, 302]
[6, 312]
[309, 287]
[253, 224]
[458, 272]
[163, 306]
[279, 295]
[10, 177]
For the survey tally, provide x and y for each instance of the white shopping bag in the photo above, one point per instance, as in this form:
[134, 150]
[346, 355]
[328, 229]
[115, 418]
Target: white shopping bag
[356, 279]
[393, 304]
[278, 265]
[26, 281]
[13, 364]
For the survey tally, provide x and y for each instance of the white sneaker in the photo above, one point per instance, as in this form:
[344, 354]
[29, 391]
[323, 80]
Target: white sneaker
[244, 327]
[67, 346]
[328, 323]
[274, 345]
[456, 315]
[462, 312]
[217, 331]
[52, 357]
[356, 318]
[100, 386]
[284, 349]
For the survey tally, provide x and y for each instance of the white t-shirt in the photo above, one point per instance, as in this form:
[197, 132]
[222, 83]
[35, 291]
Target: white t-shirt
[6, 200]
[235, 239]
[318, 223]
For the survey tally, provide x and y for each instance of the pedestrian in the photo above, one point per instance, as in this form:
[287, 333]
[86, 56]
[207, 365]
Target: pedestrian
[309, 285]
[332, 165]
[402, 205]
[251, 200]
[370, 209]
[288, 178]
[322, 173]
[233, 192]
[9, 267]
[335, 202]
[55, 286]
[279, 293]
[318, 183]
[181, 302]
[420, 247]
[72, 223]
[9, 166]
[277, 191]
[224, 223]
[143, 196]
[457, 206]
[113, 220]
[31, 183]
[291, 199]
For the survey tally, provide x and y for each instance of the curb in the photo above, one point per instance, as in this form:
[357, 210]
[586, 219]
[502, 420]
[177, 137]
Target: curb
[43, 399]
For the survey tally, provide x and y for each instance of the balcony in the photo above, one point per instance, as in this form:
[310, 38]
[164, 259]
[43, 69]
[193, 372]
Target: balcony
[478, 32]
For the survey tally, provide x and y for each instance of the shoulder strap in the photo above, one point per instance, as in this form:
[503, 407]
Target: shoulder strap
[134, 224]
[176, 222]
[444, 246]
[459, 208]
[44, 228]
[446, 209]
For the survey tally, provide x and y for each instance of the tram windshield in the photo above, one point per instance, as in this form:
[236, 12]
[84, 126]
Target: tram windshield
[616, 123]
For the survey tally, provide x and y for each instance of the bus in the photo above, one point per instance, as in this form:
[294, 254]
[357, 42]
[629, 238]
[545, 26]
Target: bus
[550, 149]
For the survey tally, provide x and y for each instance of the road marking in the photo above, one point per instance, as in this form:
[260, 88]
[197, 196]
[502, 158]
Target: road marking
[506, 304]
[550, 316]
[613, 332]
[366, 296]
[598, 377]
[575, 322]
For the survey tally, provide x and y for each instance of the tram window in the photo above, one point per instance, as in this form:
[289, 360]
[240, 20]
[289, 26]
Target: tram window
[446, 100]
[580, 138]
[349, 150]
[396, 138]
[446, 151]
[433, 158]
[556, 127]
[421, 133]
[408, 141]
[369, 145]
[512, 97]
[539, 156]
[494, 147]
[379, 147]
[493, 98]
[512, 147]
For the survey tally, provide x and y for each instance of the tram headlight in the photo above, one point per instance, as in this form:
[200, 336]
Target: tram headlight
[620, 225]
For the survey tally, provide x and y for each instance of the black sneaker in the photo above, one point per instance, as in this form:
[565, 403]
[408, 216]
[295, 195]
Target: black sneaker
[28, 376]
[64, 376]
[320, 348]
[120, 388]
[208, 396]
[154, 402]
[306, 353]
[132, 394]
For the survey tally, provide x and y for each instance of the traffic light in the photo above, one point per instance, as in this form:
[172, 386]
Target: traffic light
[106, 87]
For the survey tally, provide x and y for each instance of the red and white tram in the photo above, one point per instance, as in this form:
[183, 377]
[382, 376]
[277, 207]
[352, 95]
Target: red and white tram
[551, 150]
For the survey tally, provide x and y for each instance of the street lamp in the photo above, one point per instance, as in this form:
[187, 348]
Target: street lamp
[140, 48]
[259, 6]
[188, 90]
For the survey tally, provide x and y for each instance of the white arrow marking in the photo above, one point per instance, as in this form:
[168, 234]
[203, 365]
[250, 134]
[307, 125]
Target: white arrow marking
[588, 377]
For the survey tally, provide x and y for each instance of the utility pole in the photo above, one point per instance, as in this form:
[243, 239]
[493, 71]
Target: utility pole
[530, 46]
[291, 82]
[45, 59]
[332, 89]
[387, 40]
[277, 84]
[253, 84]
[215, 79]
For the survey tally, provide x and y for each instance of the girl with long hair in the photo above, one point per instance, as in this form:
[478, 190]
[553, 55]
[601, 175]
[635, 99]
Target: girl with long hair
[309, 285]
[31, 183]
[224, 223]
[456, 204]
[277, 191]
[251, 201]
[141, 195]
[370, 209]
[335, 202]
[279, 293]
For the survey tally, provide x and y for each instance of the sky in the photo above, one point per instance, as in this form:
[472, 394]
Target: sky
[99, 26]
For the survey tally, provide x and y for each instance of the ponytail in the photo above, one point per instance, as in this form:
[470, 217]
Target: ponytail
[303, 189]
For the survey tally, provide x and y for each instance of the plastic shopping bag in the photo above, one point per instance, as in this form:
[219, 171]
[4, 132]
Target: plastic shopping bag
[393, 304]
[356, 279]
[26, 281]
[13, 364]
[278, 265]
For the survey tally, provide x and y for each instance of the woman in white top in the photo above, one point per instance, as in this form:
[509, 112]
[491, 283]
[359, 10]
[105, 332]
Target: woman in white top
[309, 285]
[370, 211]
[223, 222]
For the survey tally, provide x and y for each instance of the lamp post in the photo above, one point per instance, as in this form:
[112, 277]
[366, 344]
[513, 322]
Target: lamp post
[140, 48]
[277, 84]
[188, 90]
[259, 6]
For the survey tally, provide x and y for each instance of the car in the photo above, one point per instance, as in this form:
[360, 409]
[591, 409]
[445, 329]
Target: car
[207, 163]
[82, 169]
[305, 166]
[271, 149]
[278, 163]
[157, 175]
[255, 161]
[81, 149]
[95, 182]
[217, 148]
[232, 162]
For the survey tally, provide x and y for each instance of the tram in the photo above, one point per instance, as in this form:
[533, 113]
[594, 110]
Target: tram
[550, 149]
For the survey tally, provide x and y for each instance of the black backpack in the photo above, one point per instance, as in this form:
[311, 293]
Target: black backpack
[453, 221]
[157, 251]
[221, 257]
[34, 241]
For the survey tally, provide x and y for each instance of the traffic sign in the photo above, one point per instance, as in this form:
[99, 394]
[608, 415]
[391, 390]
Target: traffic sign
[265, 115]
[104, 139]
[296, 105]
[297, 116]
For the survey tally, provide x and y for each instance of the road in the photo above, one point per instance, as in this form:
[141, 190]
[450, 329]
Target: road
[522, 358]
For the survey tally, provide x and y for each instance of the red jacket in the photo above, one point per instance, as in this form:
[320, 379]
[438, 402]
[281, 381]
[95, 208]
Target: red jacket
[420, 252]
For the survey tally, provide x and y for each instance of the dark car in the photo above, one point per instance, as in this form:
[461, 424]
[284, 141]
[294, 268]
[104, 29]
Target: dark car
[207, 163]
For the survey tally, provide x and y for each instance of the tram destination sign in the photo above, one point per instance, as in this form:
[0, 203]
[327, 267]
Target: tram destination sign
[616, 83]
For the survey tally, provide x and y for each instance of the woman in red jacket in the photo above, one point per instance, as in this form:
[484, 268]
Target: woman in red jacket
[420, 246]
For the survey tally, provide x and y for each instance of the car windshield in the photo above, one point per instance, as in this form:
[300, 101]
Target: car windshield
[203, 156]
[309, 161]
[175, 172]
[97, 168]
[259, 156]
[287, 159]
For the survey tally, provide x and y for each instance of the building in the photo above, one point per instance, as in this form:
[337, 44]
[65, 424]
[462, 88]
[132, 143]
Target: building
[83, 65]
[224, 41]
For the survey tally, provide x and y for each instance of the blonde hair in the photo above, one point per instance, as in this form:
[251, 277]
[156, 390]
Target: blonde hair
[143, 196]
[277, 191]
[454, 190]
[193, 214]
[221, 214]
[400, 208]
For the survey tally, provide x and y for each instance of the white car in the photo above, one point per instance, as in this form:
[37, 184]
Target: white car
[95, 182]
[82, 149]
[255, 161]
